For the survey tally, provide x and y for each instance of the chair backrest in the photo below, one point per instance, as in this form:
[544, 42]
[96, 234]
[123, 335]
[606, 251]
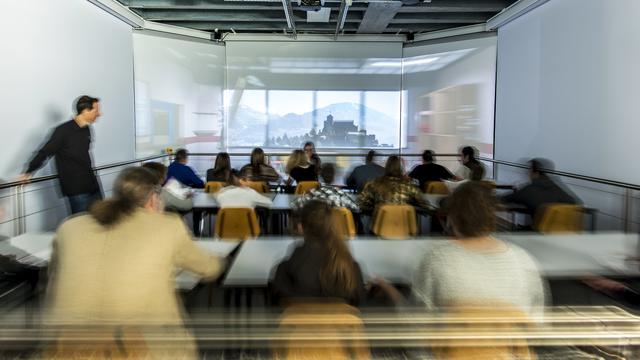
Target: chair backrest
[337, 327]
[259, 186]
[213, 186]
[500, 325]
[436, 187]
[344, 221]
[395, 221]
[101, 344]
[559, 218]
[236, 223]
[305, 186]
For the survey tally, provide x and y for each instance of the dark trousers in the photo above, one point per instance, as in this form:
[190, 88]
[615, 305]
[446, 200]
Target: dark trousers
[81, 202]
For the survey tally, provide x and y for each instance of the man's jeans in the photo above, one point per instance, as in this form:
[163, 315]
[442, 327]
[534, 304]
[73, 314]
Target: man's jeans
[81, 202]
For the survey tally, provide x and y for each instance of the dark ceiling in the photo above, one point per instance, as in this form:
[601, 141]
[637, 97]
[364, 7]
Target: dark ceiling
[362, 17]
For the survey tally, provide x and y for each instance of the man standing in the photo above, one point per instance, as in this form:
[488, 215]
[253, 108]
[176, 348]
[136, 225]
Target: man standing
[70, 144]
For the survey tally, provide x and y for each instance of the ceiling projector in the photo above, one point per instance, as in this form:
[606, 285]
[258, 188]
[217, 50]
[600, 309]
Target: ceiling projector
[310, 5]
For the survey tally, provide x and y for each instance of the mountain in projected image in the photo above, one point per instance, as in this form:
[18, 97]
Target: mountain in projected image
[378, 129]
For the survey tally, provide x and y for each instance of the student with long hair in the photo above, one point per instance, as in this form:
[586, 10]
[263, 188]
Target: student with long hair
[322, 266]
[391, 188]
[299, 168]
[258, 169]
[471, 167]
[221, 169]
[115, 267]
[309, 149]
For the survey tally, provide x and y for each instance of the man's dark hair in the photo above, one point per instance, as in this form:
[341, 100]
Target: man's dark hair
[85, 102]
[469, 151]
[328, 173]
[182, 155]
[428, 156]
[370, 155]
[539, 165]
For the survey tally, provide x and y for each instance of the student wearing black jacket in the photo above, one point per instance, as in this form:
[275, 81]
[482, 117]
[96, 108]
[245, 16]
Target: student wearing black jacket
[322, 266]
[70, 144]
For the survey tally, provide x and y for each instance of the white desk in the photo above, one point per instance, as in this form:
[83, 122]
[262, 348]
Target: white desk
[558, 256]
[392, 260]
[35, 249]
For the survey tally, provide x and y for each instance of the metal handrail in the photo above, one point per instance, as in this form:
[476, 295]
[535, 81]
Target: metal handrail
[494, 161]
[99, 168]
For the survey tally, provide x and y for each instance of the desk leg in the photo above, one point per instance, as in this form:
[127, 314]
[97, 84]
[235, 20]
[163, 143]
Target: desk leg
[197, 217]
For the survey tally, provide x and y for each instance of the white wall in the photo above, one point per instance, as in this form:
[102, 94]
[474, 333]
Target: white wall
[52, 52]
[567, 90]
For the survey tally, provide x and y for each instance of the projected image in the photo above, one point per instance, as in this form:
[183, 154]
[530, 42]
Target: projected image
[331, 119]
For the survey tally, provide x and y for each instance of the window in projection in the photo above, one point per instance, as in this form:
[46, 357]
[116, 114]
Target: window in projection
[178, 94]
[449, 95]
[334, 94]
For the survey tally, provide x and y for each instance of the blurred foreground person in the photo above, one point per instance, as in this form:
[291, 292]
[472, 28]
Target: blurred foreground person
[115, 268]
[474, 268]
[320, 267]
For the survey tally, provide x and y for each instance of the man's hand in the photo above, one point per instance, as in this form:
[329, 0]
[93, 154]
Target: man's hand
[23, 178]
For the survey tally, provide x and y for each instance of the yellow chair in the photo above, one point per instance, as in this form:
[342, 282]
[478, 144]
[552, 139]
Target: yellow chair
[344, 222]
[213, 186]
[259, 186]
[436, 187]
[559, 218]
[306, 186]
[395, 222]
[237, 223]
[321, 331]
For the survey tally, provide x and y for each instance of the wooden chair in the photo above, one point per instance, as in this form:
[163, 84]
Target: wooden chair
[559, 218]
[259, 186]
[237, 223]
[321, 331]
[395, 222]
[305, 186]
[436, 187]
[213, 186]
[344, 221]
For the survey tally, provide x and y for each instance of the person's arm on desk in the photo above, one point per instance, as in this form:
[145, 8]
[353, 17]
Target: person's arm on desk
[190, 257]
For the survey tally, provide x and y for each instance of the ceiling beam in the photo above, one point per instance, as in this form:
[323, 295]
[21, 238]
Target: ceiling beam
[234, 16]
[288, 13]
[301, 27]
[378, 16]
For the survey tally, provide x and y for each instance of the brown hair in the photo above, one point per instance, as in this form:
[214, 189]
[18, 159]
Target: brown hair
[393, 166]
[257, 159]
[339, 275]
[157, 168]
[131, 189]
[328, 173]
[297, 158]
[471, 210]
[223, 165]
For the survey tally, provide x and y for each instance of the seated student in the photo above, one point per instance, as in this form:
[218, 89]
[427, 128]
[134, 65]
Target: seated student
[541, 190]
[221, 170]
[469, 160]
[327, 192]
[299, 168]
[320, 267]
[309, 149]
[115, 267]
[392, 188]
[475, 268]
[477, 174]
[239, 195]
[429, 170]
[180, 171]
[174, 196]
[258, 169]
[364, 173]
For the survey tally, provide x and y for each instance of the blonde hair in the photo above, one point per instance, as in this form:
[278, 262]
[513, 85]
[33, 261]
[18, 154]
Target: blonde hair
[297, 158]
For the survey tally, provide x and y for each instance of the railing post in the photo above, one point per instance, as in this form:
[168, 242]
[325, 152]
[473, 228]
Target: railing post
[19, 226]
[626, 217]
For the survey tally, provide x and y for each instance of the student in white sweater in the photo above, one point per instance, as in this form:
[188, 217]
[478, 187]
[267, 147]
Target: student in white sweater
[239, 195]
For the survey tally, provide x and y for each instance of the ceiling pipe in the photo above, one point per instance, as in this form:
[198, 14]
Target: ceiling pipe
[342, 17]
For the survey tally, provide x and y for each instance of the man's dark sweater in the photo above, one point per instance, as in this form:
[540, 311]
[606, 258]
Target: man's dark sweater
[540, 191]
[70, 145]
